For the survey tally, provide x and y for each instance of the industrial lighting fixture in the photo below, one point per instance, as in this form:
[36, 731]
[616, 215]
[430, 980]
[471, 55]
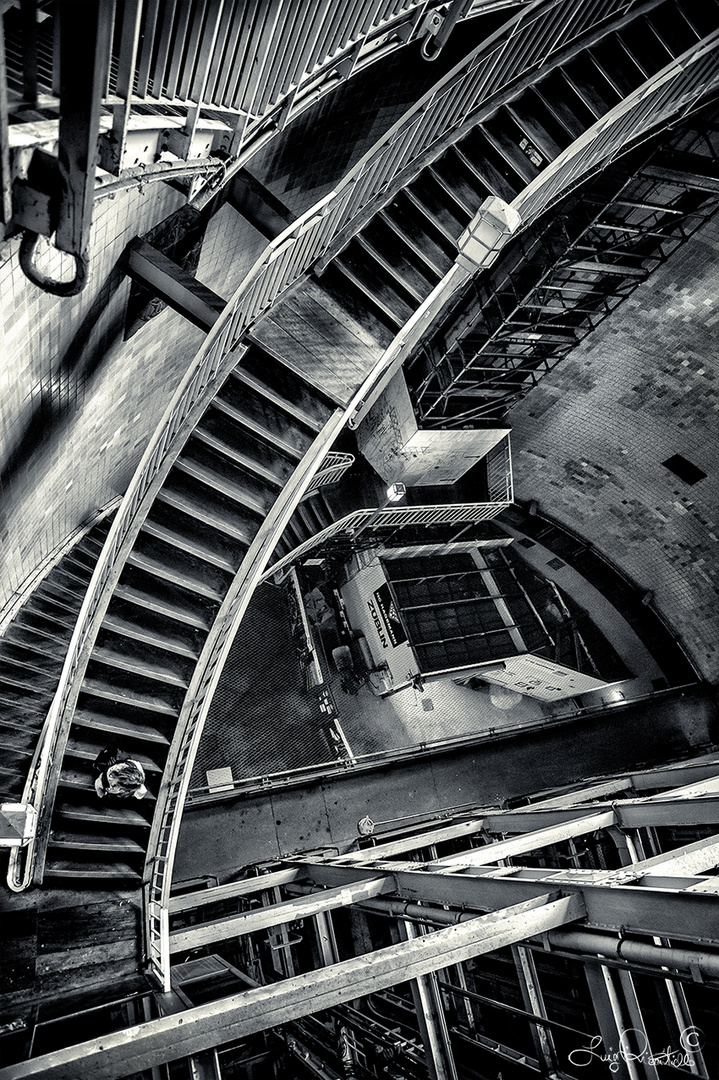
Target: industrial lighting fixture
[487, 233]
[396, 492]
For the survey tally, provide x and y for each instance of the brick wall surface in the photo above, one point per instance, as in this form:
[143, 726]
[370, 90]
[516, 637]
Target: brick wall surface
[589, 442]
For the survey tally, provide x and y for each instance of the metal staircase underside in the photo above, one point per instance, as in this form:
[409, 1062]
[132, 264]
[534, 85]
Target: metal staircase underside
[257, 431]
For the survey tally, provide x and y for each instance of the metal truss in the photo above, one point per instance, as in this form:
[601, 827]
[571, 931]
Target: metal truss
[588, 918]
[559, 280]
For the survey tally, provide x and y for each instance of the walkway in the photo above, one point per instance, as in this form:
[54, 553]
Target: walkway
[219, 840]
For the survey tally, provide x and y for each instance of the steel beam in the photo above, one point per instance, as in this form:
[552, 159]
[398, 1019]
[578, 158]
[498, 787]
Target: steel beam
[673, 908]
[418, 840]
[520, 845]
[184, 293]
[249, 922]
[246, 887]
[181, 1035]
[629, 814]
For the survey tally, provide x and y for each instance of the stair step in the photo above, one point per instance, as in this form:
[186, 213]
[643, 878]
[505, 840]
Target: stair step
[277, 399]
[35, 640]
[155, 639]
[62, 595]
[187, 544]
[242, 496]
[87, 842]
[138, 667]
[19, 741]
[125, 696]
[78, 780]
[422, 195]
[24, 673]
[118, 725]
[103, 814]
[53, 613]
[187, 506]
[142, 599]
[169, 573]
[60, 868]
[385, 299]
[26, 656]
[256, 428]
[88, 751]
[393, 262]
[238, 457]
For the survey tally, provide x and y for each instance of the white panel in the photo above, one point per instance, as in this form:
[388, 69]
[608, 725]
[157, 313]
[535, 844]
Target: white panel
[539, 678]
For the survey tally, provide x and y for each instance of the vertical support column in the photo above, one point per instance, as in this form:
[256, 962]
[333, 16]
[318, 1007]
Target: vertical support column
[534, 1003]
[112, 146]
[430, 1013]
[85, 30]
[325, 934]
[611, 1022]
[631, 849]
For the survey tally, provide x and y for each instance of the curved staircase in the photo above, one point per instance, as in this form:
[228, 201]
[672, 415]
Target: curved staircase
[32, 652]
[204, 518]
[303, 358]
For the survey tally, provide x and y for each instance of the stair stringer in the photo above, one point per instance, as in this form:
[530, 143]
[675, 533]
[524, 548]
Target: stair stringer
[164, 832]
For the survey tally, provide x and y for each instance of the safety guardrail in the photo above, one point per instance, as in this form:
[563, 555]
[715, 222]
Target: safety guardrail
[391, 517]
[524, 45]
[331, 471]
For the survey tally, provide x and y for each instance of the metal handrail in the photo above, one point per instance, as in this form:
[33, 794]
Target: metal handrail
[284, 261]
[378, 758]
[331, 471]
[677, 87]
[510, 52]
[393, 517]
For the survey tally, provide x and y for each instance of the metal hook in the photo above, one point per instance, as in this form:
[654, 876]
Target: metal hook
[47, 284]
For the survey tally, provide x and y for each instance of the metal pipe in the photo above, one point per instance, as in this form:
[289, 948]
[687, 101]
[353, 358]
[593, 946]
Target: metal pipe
[638, 951]
[583, 941]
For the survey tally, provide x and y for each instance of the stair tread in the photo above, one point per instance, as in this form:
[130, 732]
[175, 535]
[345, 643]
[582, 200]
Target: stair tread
[118, 725]
[88, 842]
[85, 781]
[217, 482]
[149, 637]
[187, 506]
[255, 428]
[138, 666]
[238, 457]
[103, 812]
[168, 573]
[123, 693]
[88, 751]
[276, 398]
[126, 592]
[90, 871]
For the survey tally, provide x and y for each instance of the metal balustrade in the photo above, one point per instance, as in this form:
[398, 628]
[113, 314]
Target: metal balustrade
[176, 90]
[523, 47]
[331, 471]
[395, 517]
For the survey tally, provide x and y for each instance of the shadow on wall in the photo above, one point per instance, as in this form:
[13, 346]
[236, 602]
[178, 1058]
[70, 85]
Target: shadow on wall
[58, 396]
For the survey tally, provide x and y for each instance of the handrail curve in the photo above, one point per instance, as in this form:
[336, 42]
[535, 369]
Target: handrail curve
[283, 262]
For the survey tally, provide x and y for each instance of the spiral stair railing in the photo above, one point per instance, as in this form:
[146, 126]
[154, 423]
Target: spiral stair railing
[209, 75]
[285, 261]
